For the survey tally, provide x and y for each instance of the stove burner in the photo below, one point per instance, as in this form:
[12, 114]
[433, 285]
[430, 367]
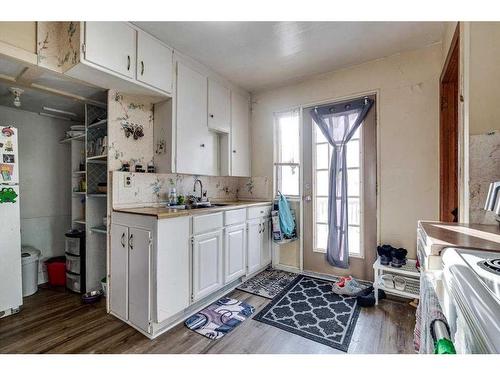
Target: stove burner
[491, 265]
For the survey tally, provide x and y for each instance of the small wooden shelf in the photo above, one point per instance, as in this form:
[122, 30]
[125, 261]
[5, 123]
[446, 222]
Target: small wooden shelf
[80, 138]
[100, 229]
[97, 124]
[97, 157]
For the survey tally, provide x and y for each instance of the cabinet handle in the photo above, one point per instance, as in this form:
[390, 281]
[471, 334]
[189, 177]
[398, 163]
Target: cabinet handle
[260, 228]
[142, 68]
[234, 151]
[131, 241]
[128, 62]
[211, 115]
[202, 145]
[123, 240]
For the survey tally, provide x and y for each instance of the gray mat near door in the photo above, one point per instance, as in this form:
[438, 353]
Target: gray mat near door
[309, 308]
[269, 283]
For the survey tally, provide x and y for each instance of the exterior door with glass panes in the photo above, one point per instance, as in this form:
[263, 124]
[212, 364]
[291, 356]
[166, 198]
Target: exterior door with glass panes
[361, 192]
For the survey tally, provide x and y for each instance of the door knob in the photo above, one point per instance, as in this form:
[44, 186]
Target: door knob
[307, 198]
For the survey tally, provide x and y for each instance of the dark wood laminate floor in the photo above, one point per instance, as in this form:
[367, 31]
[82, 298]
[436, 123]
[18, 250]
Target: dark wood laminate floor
[56, 322]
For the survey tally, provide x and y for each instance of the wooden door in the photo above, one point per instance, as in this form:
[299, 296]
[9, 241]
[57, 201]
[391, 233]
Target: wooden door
[118, 283]
[448, 134]
[207, 264]
[240, 135]
[234, 252]
[111, 45]
[154, 62]
[138, 278]
[219, 107]
[254, 245]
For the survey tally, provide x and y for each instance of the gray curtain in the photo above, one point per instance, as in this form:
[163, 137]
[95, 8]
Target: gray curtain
[338, 123]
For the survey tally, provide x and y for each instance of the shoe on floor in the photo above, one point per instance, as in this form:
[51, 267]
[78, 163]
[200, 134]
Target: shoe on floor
[369, 299]
[348, 287]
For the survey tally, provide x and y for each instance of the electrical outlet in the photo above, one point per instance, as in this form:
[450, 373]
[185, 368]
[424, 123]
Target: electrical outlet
[128, 182]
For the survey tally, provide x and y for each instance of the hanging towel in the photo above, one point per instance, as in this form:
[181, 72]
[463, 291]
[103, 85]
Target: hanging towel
[287, 223]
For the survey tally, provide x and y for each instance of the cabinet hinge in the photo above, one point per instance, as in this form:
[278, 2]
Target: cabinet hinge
[83, 47]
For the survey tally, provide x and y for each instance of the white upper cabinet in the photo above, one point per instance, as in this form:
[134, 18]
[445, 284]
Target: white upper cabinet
[240, 135]
[111, 45]
[196, 146]
[154, 62]
[219, 107]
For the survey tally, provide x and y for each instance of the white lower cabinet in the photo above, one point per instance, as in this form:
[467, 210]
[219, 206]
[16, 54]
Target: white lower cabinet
[254, 245]
[234, 252]
[140, 242]
[258, 244]
[207, 264]
[118, 264]
[130, 272]
[149, 269]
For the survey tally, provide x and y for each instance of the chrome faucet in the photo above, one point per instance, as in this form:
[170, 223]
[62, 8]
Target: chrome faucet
[201, 189]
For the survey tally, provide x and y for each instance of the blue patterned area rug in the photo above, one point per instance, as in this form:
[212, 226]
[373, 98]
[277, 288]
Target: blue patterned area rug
[219, 318]
[309, 308]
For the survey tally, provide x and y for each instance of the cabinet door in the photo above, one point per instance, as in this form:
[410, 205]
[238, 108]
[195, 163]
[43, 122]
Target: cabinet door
[196, 146]
[219, 107]
[240, 135]
[254, 245]
[111, 45]
[234, 252]
[154, 62]
[266, 243]
[138, 278]
[118, 264]
[207, 264]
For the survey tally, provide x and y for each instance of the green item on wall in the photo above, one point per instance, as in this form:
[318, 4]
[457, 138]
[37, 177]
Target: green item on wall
[8, 195]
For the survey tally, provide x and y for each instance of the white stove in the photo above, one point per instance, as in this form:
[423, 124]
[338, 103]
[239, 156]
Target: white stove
[472, 299]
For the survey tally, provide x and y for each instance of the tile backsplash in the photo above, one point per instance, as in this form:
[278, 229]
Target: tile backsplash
[484, 167]
[152, 188]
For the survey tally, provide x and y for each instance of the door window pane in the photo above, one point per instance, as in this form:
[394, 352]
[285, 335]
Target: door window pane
[320, 138]
[322, 183]
[322, 159]
[354, 240]
[321, 236]
[353, 182]
[352, 153]
[322, 210]
[288, 179]
[353, 211]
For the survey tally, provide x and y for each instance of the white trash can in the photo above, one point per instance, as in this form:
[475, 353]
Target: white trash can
[29, 261]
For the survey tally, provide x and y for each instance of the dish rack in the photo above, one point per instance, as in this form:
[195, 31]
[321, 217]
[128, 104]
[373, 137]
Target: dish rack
[407, 279]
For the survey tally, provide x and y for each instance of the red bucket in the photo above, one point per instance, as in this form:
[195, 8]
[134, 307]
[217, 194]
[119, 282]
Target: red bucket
[56, 268]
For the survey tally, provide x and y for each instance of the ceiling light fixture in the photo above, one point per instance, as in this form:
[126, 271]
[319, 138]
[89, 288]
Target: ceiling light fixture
[17, 95]
[59, 111]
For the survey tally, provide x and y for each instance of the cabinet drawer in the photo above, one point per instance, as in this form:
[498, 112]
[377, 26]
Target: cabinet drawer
[260, 211]
[235, 216]
[206, 223]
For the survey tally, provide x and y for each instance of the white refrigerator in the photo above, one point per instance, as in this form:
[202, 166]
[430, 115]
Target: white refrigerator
[10, 224]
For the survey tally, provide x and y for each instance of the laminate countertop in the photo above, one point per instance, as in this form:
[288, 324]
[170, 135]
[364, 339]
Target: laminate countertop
[162, 212]
[439, 235]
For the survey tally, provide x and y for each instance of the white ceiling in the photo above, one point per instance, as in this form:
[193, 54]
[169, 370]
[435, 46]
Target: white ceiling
[260, 55]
